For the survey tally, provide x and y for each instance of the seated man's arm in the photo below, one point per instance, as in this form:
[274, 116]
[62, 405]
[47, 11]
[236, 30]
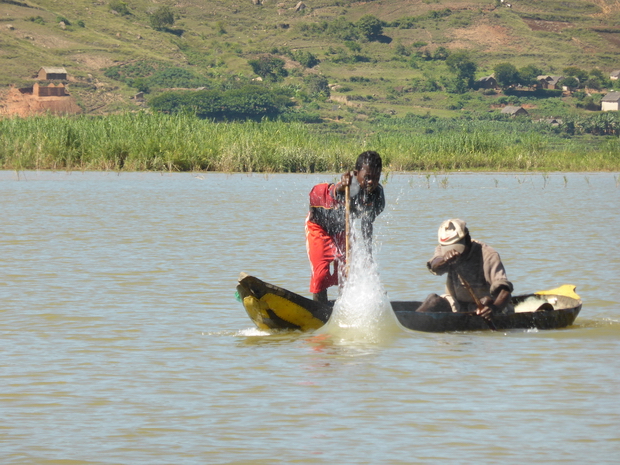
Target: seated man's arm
[439, 264]
[494, 305]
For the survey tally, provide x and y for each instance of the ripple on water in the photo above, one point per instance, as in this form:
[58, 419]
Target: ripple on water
[122, 341]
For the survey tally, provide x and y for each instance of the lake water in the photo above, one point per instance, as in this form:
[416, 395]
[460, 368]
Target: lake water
[121, 341]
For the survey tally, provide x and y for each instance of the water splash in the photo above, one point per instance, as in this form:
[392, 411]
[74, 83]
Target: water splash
[251, 332]
[362, 312]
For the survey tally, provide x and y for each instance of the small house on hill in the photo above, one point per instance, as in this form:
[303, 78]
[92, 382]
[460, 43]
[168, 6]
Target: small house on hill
[514, 111]
[549, 82]
[52, 74]
[487, 82]
[614, 75]
[48, 91]
[611, 102]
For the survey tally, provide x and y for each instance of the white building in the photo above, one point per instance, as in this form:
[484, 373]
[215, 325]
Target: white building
[611, 102]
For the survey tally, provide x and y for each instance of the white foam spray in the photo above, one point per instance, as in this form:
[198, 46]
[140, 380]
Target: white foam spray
[362, 312]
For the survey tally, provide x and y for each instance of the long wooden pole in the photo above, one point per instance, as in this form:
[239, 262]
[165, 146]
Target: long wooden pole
[476, 300]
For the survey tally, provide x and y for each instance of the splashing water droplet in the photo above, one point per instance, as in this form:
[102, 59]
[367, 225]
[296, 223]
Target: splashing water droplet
[362, 312]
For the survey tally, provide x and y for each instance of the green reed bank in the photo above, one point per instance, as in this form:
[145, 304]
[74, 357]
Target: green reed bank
[143, 141]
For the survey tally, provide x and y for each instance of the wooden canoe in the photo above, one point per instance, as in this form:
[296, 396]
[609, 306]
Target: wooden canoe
[272, 307]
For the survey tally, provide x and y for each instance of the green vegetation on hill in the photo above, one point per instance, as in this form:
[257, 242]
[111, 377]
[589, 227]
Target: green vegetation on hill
[355, 70]
[379, 57]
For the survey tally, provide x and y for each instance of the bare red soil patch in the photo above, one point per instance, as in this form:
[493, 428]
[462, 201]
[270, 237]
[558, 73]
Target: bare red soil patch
[548, 26]
[23, 104]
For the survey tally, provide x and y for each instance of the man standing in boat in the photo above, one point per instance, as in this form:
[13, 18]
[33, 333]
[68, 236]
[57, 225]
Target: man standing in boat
[476, 276]
[326, 224]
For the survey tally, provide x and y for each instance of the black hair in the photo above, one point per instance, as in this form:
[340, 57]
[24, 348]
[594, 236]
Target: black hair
[370, 158]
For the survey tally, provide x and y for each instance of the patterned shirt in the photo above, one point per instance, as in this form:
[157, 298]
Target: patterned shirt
[327, 208]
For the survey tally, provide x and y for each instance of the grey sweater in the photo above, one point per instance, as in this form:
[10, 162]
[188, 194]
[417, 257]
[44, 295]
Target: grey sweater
[481, 267]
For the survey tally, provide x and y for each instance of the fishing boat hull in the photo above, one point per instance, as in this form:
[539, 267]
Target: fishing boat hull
[271, 307]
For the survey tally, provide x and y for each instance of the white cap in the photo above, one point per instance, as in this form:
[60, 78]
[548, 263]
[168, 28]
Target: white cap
[451, 234]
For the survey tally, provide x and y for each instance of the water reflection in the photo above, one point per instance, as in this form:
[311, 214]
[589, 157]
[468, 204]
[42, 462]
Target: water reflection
[270, 338]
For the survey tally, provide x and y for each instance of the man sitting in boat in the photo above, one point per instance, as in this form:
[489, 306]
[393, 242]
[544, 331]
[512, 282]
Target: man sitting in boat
[475, 273]
[325, 224]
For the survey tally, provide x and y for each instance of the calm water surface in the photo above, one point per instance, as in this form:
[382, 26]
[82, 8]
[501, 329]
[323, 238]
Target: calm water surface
[122, 342]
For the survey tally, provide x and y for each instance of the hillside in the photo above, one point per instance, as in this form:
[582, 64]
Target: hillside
[216, 40]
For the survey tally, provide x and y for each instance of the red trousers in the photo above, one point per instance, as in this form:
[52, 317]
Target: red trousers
[323, 250]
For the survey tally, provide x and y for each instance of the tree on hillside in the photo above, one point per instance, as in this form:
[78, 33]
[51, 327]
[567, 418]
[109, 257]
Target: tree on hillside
[141, 84]
[250, 102]
[464, 67]
[506, 75]
[305, 58]
[317, 85]
[570, 82]
[401, 51]
[370, 27]
[269, 67]
[177, 77]
[528, 75]
[353, 46]
[120, 7]
[441, 53]
[576, 72]
[598, 75]
[162, 18]
[341, 28]
[593, 83]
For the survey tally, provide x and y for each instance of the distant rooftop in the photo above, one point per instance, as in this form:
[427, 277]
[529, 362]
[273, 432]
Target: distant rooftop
[54, 70]
[611, 97]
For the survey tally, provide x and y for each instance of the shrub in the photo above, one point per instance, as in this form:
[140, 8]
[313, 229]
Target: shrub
[300, 117]
[220, 28]
[162, 18]
[269, 67]
[441, 53]
[176, 77]
[370, 27]
[142, 85]
[130, 70]
[317, 85]
[594, 83]
[341, 29]
[120, 7]
[353, 46]
[401, 50]
[249, 102]
[306, 59]
[37, 19]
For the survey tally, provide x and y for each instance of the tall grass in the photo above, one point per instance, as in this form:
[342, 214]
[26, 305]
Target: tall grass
[142, 141]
